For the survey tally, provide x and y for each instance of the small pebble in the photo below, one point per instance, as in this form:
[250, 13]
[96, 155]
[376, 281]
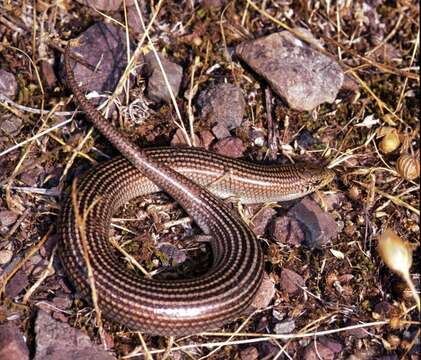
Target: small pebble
[157, 89]
[231, 146]
[319, 226]
[223, 104]
[102, 5]
[7, 218]
[8, 84]
[264, 294]
[286, 327]
[291, 282]
[10, 124]
[5, 256]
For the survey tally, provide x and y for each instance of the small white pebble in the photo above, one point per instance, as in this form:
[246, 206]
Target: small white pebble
[5, 256]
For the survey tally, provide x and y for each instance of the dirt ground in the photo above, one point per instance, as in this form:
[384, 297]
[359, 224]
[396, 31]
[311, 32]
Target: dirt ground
[353, 305]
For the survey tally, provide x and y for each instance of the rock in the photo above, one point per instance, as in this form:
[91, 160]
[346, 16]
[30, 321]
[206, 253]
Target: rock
[16, 284]
[48, 73]
[12, 343]
[286, 327]
[179, 138]
[302, 76]
[334, 201]
[305, 139]
[157, 88]
[206, 139]
[133, 18]
[5, 256]
[172, 254]
[7, 218]
[387, 53]
[223, 104]
[102, 5]
[8, 84]
[357, 333]
[220, 131]
[333, 345]
[263, 324]
[350, 85]
[291, 282]
[386, 310]
[55, 307]
[10, 124]
[322, 349]
[319, 226]
[287, 230]
[59, 341]
[257, 136]
[215, 4]
[262, 219]
[264, 294]
[230, 146]
[31, 175]
[104, 45]
[249, 353]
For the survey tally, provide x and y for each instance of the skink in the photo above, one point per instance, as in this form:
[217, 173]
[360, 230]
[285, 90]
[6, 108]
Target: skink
[189, 175]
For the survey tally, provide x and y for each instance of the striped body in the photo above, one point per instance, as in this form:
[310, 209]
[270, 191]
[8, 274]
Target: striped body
[182, 306]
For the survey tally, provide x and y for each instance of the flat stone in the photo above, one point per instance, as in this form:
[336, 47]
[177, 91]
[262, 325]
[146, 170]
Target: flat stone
[10, 124]
[7, 217]
[386, 310]
[102, 5]
[287, 230]
[302, 76]
[264, 294]
[262, 219]
[16, 284]
[104, 45]
[5, 256]
[335, 346]
[319, 226]
[223, 104]
[59, 341]
[133, 18]
[215, 4]
[179, 138]
[357, 333]
[173, 255]
[285, 327]
[230, 146]
[48, 73]
[206, 139]
[12, 343]
[32, 175]
[8, 84]
[291, 282]
[317, 352]
[249, 353]
[323, 348]
[221, 131]
[157, 89]
[306, 139]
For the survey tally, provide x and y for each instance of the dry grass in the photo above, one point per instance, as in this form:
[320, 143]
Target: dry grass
[347, 130]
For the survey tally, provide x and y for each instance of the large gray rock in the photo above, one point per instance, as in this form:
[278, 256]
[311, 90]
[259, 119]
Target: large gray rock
[12, 344]
[157, 87]
[302, 76]
[104, 47]
[59, 341]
